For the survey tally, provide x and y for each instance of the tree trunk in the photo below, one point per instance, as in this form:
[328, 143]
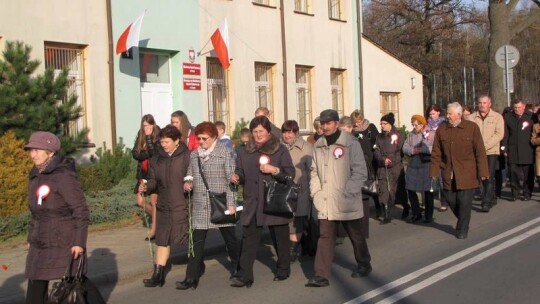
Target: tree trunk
[500, 35]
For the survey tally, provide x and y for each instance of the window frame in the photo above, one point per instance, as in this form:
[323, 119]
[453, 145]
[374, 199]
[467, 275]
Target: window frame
[218, 107]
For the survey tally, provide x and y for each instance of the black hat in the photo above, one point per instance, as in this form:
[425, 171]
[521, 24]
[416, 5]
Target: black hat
[329, 115]
[389, 118]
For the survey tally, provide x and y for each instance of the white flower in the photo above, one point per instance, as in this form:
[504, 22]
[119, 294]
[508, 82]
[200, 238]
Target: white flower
[188, 179]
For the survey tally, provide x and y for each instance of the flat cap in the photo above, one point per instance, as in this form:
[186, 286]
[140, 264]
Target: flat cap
[329, 115]
[43, 141]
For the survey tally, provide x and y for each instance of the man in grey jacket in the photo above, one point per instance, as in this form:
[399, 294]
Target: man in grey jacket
[338, 172]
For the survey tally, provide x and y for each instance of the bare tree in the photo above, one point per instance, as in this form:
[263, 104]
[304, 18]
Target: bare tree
[503, 27]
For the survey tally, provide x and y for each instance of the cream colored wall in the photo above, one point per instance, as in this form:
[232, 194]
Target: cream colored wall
[67, 21]
[311, 40]
[384, 73]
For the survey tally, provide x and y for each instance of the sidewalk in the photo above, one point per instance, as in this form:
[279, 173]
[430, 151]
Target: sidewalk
[113, 255]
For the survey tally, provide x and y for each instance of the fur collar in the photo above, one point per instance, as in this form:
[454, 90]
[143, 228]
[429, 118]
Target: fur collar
[269, 147]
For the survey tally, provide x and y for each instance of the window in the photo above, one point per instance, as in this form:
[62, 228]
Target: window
[334, 9]
[218, 105]
[71, 57]
[264, 96]
[303, 96]
[302, 6]
[264, 2]
[336, 83]
[390, 103]
[154, 68]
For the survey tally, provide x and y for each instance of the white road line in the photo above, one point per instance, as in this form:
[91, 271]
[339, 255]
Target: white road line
[375, 292]
[447, 272]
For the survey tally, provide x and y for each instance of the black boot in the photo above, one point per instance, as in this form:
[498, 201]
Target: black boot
[158, 277]
[187, 284]
[406, 210]
[293, 250]
[386, 215]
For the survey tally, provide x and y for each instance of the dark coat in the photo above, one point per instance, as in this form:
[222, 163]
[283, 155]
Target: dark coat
[167, 177]
[367, 135]
[517, 136]
[152, 148]
[459, 151]
[253, 179]
[386, 148]
[60, 223]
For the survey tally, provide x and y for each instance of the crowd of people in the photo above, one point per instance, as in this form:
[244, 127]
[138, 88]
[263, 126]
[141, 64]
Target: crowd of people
[469, 155]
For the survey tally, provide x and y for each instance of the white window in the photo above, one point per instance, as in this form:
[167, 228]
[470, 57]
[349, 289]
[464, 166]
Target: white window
[303, 96]
[303, 6]
[218, 104]
[264, 96]
[336, 83]
[390, 103]
[70, 57]
[264, 2]
[334, 9]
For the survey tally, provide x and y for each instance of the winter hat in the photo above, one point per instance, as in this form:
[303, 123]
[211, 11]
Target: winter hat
[389, 118]
[329, 115]
[420, 119]
[43, 141]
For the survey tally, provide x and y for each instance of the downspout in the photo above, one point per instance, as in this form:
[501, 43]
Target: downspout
[284, 55]
[360, 65]
[111, 74]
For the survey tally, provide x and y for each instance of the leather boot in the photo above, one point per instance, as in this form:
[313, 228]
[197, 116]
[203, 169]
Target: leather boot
[158, 277]
[406, 210]
[386, 215]
[293, 250]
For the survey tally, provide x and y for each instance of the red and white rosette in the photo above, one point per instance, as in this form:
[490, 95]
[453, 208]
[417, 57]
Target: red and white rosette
[264, 159]
[338, 152]
[524, 125]
[393, 138]
[426, 135]
[42, 193]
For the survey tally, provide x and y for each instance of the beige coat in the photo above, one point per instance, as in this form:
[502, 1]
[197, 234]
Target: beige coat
[492, 129]
[338, 173]
[535, 141]
[301, 154]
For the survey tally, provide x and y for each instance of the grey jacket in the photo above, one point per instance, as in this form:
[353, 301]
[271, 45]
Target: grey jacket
[338, 173]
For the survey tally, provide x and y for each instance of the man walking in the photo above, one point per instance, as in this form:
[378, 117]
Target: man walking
[491, 126]
[518, 149]
[338, 172]
[459, 154]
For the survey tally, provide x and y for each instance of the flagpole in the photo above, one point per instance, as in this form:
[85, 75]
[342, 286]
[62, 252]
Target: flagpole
[199, 52]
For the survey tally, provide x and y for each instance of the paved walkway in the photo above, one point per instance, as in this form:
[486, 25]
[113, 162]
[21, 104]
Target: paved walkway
[113, 255]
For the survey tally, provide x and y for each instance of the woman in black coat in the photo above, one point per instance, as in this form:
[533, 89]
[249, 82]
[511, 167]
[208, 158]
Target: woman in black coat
[167, 171]
[146, 145]
[252, 172]
[59, 216]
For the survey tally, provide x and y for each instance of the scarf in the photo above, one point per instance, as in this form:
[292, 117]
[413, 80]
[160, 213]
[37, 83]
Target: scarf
[434, 124]
[204, 154]
[44, 165]
[363, 127]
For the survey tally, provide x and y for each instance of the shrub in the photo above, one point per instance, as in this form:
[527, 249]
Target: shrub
[113, 205]
[108, 168]
[14, 167]
[239, 125]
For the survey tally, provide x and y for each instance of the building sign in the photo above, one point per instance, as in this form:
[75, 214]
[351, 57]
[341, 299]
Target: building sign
[191, 68]
[192, 84]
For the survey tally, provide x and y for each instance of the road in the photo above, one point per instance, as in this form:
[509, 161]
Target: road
[498, 263]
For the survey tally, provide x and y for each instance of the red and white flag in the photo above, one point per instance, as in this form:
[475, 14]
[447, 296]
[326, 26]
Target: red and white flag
[220, 41]
[130, 37]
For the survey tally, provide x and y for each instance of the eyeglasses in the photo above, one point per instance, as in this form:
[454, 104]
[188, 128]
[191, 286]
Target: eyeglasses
[414, 124]
[383, 123]
[199, 138]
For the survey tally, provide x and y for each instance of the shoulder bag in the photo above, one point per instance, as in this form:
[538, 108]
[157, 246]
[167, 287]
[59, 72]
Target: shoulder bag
[218, 204]
[70, 290]
[278, 197]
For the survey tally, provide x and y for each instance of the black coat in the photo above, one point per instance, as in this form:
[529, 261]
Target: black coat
[517, 136]
[167, 177]
[152, 148]
[253, 179]
[59, 223]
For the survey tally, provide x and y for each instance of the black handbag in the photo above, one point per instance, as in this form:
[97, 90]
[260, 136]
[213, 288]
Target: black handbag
[218, 204]
[70, 290]
[370, 187]
[278, 197]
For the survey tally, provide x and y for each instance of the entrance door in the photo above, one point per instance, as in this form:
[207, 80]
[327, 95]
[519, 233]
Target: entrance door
[156, 88]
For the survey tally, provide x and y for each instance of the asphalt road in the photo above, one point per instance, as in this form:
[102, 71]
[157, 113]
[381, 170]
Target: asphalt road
[498, 263]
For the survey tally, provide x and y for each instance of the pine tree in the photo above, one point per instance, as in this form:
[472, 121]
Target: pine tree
[30, 102]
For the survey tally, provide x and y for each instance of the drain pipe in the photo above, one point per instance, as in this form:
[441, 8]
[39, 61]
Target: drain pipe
[112, 102]
[360, 64]
[284, 55]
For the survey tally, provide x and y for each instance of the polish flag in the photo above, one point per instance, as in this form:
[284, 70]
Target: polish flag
[130, 37]
[220, 41]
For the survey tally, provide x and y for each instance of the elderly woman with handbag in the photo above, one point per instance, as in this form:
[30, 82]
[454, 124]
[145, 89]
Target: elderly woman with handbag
[59, 216]
[211, 165]
[418, 147]
[263, 160]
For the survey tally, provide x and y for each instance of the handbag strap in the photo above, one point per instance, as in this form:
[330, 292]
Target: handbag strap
[80, 267]
[202, 174]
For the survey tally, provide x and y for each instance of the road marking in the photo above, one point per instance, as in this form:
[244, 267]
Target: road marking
[447, 272]
[373, 293]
